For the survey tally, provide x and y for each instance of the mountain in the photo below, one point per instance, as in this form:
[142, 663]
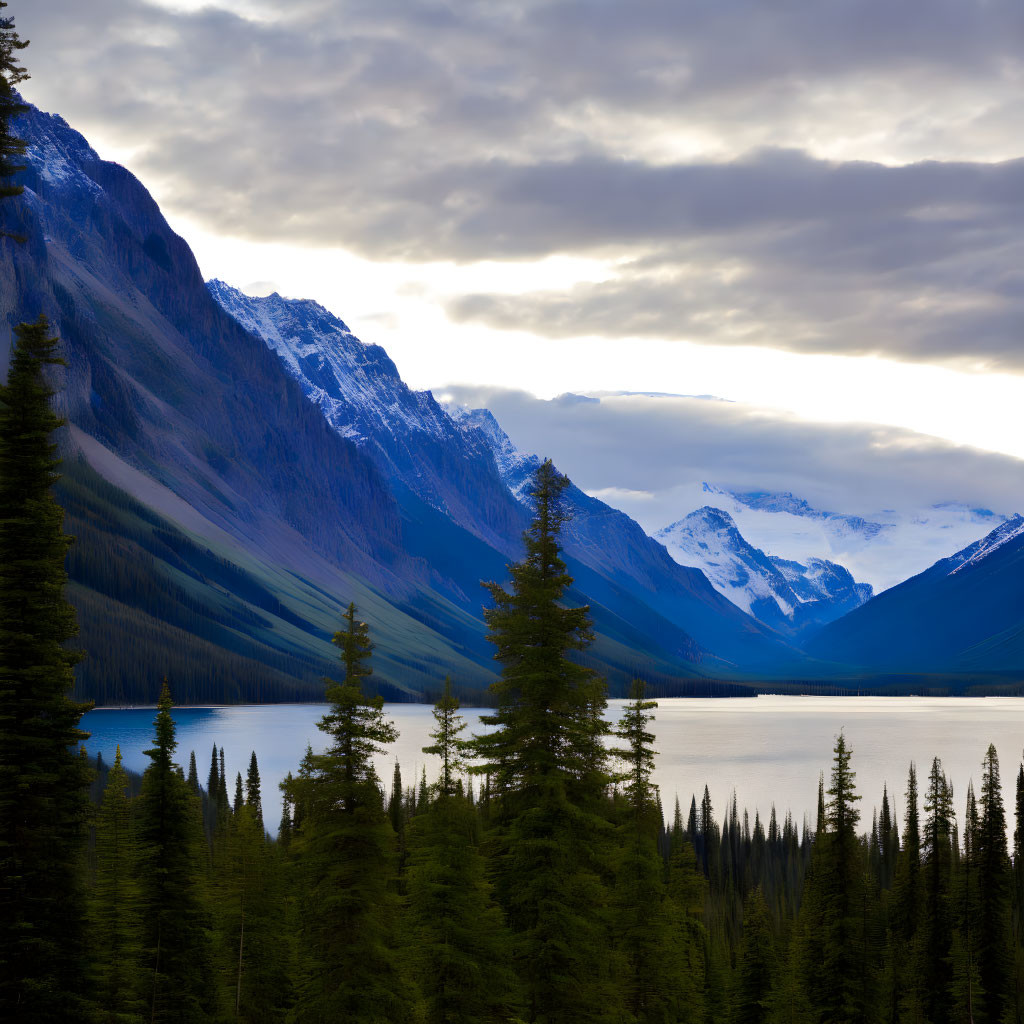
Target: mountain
[963, 614]
[882, 548]
[460, 464]
[792, 597]
[608, 541]
[235, 475]
[219, 518]
[360, 393]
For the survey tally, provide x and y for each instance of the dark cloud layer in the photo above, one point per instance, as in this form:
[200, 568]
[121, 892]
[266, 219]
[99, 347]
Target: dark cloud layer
[494, 130]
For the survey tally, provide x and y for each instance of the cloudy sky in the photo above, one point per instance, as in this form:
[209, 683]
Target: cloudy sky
[812, 210]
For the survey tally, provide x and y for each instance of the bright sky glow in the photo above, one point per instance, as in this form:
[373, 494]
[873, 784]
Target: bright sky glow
[398, 306]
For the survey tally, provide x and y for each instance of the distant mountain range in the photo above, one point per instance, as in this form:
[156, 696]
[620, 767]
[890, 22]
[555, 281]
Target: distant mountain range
[238, 468]
[882, 548]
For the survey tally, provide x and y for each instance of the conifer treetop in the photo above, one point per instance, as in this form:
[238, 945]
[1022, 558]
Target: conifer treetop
[447, 745]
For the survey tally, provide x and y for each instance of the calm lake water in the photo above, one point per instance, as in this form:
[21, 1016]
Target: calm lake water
[767, 749]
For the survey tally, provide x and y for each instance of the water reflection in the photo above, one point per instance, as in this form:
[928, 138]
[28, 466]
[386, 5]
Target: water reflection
[765, 748]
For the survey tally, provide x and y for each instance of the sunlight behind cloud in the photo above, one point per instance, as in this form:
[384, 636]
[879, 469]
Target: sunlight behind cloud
[397, 305]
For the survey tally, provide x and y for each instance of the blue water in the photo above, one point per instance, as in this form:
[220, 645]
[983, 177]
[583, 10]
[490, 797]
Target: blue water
[765, 748]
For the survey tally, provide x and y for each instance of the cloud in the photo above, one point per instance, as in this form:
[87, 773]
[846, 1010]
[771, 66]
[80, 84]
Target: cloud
[650, 455]
[821, 177]
[916, 262]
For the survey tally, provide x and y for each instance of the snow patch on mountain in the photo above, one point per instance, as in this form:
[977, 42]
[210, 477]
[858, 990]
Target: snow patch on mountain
[783, 593]
[982, 549]
[357, 385]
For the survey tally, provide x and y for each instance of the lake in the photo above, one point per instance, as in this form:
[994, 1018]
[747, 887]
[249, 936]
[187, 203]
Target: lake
[765, 748]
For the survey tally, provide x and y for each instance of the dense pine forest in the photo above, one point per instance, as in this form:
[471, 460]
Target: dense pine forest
[537, 879]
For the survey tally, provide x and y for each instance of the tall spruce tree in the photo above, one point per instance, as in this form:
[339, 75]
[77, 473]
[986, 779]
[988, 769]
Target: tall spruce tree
[12, 74]
[994, 938]
[968, 994]
[115, 925]
[253, 797]
[177, 954]
[344, 850]
[907, 886]
[937, 916]
[457, 940]
[548, 770]
[836, 957]
[448, 745]
[650, 965]
[396, 806]
[756, 965]
[356, 648]
[43, 783]
[251, 911]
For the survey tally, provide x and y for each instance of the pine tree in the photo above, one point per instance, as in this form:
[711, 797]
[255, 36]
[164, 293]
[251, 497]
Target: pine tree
[253, 799]
[968, 994]
[447, 745]
[239, 795]
[223, 803]
[994, 938]
[212, 811]
[213, 779]
[354, 641]
[548, 771]
[907, 887]
[193, 773]
[937, 920]
[423, 793]
[650, 973]
[115, 927]
[837, 972]
[43, 783]
[12, 74]
[344, 847]
[756, 966]
[251, 911]
[285, 827]
[889, 843]
[396, 808]
[458, 942]
[177, 955]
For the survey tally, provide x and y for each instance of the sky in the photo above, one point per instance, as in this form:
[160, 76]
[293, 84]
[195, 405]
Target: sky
[811, 211]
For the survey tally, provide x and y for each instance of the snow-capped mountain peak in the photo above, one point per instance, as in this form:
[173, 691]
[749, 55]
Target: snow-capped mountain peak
[357, 386]
[882, 548]
[514, 466]
[789, 595]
